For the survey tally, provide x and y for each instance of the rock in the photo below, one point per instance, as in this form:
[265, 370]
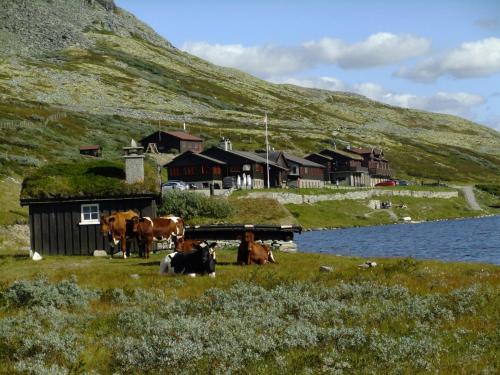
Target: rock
[406, 219]
[36, 257]
[134, 276]
[325, 269]
[100, 253]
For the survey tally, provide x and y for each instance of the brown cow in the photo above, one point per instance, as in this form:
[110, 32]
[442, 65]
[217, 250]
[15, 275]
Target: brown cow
[147, 230]
[250, 252]
[115, 227]
[182, 245]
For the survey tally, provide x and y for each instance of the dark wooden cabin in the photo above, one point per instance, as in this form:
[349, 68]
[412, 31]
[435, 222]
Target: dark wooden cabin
[326, 161]
[304, 173]
[175, 141]
[249, 163]
[93, 151]
[199, 169]
[347, 168]
[277, 177]
[374, 160]
[65, 211]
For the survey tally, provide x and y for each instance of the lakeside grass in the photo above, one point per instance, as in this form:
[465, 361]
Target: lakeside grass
[404, 316]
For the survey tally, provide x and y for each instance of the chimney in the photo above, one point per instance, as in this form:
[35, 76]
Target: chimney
[134, 163]
[225, 144]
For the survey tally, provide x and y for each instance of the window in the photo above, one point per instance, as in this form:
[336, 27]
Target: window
[89, 214]
[235, 169]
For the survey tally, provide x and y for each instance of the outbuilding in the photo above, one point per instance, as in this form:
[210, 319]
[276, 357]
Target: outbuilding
[66, 201]
[174, 141]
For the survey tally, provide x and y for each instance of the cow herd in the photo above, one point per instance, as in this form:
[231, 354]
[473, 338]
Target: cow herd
[190, 257]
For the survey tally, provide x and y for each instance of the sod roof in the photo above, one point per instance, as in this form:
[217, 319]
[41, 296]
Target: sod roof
[87, 179]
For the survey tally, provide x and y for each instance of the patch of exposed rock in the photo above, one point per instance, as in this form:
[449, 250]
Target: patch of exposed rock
[39, 27]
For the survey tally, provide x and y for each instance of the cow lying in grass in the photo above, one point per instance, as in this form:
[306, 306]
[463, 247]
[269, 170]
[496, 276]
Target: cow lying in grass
[251, 252]
[116, 227]
[199, 261]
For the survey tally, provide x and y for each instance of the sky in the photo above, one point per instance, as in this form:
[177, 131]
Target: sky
[440, 55]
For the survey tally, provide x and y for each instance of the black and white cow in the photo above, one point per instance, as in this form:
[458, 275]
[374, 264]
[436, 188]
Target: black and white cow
[199, 261]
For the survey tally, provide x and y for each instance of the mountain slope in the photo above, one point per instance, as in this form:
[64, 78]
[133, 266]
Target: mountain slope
[105, 77]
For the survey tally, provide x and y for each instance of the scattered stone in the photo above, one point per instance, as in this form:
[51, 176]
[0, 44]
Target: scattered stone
[406, 219]
[134, 276]
[36, 257]
[325, 269]
[100, 253]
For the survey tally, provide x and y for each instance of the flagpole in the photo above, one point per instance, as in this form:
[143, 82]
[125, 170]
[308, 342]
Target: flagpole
[267, 153]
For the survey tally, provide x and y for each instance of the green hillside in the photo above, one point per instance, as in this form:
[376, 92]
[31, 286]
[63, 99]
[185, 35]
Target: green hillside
[82, 72]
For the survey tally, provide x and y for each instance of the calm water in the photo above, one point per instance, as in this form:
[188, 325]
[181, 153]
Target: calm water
[468, 240]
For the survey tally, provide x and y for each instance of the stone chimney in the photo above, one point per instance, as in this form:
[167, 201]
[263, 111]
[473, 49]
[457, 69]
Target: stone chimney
[225, 144]
[134, 163]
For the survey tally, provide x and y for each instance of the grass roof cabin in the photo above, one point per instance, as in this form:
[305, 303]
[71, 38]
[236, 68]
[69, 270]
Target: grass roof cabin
[66, 201]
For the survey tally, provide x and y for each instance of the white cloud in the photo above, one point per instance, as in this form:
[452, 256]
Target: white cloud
[269, 60]
[472, 59]
[455, 103]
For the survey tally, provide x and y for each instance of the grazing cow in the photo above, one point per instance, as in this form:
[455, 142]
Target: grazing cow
[148, 230]
[199, 261]
[116, 227]
[250, 252]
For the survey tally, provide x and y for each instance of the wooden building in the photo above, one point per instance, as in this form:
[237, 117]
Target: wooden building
[66, 200]
[198, 169]
[326, 161]
[277, 177]
[175, 141]
[301, 172]
[346, 168]
[92, 151]
[377, 165]
[248, 163]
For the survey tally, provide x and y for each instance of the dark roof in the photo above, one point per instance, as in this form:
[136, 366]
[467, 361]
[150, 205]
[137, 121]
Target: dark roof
[197, 155]
[86, 179]
[302, 161]
[347, 154]
[252, 156]
[176, 134]
[185, 136]
[88, 148]
[326, 157]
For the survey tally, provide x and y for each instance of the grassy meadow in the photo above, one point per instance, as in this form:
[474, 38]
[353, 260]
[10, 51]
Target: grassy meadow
[69, 315]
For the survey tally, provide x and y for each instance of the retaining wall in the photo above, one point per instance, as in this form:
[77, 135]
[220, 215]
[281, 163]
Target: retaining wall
[292, 198]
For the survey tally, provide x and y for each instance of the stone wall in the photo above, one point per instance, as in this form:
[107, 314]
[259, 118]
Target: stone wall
[292, 198]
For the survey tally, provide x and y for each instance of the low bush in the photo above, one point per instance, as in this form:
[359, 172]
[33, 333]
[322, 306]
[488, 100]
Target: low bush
[189, 205]
[492, 189]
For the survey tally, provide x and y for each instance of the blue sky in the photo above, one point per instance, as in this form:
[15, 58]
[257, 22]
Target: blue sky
[442, 56]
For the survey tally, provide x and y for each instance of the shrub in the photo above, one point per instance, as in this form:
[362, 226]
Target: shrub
[40, 292]
[189, 205]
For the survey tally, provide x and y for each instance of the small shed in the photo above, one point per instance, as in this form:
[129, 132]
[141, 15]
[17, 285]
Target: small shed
[66, 200]
[166, 142]
[92, 150]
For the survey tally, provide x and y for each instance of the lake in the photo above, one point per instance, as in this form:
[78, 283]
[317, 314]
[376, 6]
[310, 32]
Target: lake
[467, 240]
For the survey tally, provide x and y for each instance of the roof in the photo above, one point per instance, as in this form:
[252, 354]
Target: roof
[176, 134]
[302, 161]
[198, 155]
[326, 157]
[91, 147]
[86, 179]
[252, 156]
[346, 154]
[364, 150]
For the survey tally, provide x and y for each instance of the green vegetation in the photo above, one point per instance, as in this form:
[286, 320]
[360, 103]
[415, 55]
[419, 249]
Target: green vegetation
[349, 213]
[84, 315]
[86, 178]
[189, 205]
[10, 210]
[251, 211]
[491, 189]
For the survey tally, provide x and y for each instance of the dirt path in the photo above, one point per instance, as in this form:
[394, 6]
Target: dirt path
[471, 198]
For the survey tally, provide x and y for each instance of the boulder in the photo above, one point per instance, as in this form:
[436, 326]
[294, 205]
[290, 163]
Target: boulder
[325, 269]
[36, 257]
[100, 253]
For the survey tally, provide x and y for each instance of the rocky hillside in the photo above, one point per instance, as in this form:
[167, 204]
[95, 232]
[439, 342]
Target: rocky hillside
[84, 71]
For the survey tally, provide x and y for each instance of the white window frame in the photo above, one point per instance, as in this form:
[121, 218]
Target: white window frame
[91, 221]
